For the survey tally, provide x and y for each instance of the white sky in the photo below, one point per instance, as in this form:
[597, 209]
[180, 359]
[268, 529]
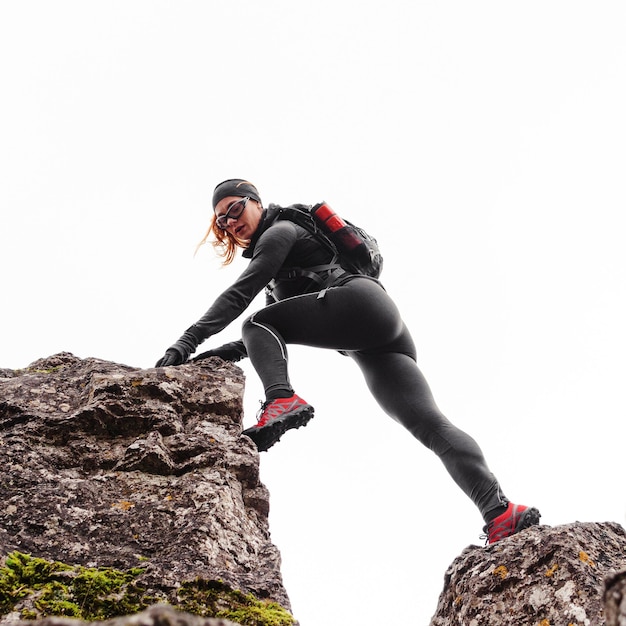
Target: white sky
[482, 143]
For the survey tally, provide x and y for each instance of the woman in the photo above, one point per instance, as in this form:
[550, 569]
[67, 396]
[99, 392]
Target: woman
[302, 313]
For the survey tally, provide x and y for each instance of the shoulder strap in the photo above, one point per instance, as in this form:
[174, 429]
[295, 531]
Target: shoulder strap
[322, 275]
[301, 214]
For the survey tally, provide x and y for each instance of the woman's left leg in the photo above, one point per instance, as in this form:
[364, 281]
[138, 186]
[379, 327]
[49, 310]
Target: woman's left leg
[356, 316]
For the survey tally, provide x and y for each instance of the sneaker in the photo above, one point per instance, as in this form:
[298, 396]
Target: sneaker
[516, 517]
[276, 417]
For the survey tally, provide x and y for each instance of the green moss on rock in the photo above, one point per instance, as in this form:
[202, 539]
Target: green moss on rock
[215, 599]
[39, 588]
[54, 588]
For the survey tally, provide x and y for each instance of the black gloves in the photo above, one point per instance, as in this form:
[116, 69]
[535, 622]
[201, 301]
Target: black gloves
[233, 351]
[180, 351]
[171, 357]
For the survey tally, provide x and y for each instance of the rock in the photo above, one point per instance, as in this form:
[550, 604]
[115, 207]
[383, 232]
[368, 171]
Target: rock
[615, 599]
[110, 466]
[542, 577]
[157, 615]
[131, 496]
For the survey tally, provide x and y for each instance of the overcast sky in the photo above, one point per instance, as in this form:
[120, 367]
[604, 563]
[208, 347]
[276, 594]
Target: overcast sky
[482, 143]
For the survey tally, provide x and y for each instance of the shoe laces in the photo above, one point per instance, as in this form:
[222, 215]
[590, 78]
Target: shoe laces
[261, 411]
[270, 409]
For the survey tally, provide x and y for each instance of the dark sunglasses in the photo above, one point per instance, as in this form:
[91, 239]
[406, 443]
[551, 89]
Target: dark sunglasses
[234, 211]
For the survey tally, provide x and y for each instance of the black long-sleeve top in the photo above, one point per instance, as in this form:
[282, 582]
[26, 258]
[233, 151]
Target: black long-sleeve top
[277, 245]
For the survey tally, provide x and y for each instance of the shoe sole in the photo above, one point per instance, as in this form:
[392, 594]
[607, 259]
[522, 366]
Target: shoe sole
[266, 436]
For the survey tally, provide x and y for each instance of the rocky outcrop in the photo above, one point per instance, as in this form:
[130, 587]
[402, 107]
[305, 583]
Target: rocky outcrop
[561, 576]
[130, 496]
[139, 472]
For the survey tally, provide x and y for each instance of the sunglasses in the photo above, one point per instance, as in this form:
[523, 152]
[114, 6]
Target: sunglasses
[234, 211]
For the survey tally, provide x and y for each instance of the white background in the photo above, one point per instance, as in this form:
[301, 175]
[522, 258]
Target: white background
[482, 143]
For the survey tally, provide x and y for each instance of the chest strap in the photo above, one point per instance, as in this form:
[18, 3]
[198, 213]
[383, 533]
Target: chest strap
[322, 275]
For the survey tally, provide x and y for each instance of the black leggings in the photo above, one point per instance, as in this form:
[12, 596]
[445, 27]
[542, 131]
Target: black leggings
[361, 319]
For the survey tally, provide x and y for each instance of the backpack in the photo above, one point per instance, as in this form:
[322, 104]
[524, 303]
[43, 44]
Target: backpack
[354, 250]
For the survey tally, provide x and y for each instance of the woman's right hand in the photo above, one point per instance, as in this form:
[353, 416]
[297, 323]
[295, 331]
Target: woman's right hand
[171, 357]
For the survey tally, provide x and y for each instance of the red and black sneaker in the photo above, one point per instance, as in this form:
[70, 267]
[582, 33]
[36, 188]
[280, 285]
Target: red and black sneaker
[276, 417]
[516, 517]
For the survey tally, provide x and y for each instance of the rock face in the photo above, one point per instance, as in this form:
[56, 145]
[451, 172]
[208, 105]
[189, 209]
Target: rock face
[109, 466]
[542, 576]
[615, 599]
[157, 615]
[130, 495]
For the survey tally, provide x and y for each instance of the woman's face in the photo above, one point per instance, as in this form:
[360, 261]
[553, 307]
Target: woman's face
[244, 226]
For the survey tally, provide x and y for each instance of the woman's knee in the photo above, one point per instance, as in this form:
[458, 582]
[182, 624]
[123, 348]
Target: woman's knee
[246, 326]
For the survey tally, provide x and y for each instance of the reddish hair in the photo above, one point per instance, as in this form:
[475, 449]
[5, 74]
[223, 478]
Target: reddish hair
[224, 243]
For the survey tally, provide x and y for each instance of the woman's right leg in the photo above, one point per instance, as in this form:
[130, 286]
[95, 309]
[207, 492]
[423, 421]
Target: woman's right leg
[403, 393]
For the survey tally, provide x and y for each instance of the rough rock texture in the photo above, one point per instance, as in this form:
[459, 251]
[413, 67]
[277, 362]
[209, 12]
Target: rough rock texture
[146, 472]
[542, 577]
[106, 465]
[158, 615]
[615, 599]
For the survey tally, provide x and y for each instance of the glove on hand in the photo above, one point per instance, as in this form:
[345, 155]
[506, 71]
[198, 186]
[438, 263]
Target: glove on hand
[171, 357]
[180, 351]
[233, 351]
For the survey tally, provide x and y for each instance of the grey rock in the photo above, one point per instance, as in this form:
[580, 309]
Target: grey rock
[541, 576]
[615, 599]
[157, 615]
[106, 465]
[110, 466]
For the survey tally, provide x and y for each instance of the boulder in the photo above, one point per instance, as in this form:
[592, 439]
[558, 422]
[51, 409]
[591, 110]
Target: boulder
[541, 576]
[134, 471]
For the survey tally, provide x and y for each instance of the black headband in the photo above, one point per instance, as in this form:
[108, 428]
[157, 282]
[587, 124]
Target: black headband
[235, 187]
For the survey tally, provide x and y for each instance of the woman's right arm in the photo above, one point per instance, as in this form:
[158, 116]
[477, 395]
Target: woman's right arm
[269, 254]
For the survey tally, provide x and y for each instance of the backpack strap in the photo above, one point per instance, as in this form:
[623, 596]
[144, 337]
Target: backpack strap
[324, 276]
